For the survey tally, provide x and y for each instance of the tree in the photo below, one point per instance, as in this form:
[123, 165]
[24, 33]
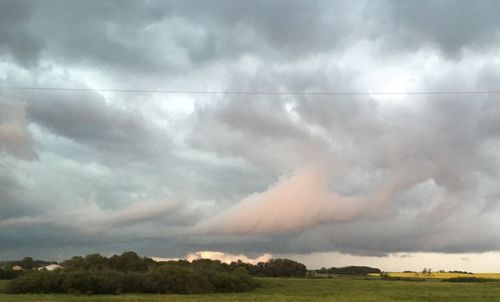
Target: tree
[284, 268]
[26, 263]
[95, 262]
[351, 270]
[129, 261]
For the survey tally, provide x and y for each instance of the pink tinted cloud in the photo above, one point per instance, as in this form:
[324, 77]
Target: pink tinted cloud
[296, 202]
[15, 138]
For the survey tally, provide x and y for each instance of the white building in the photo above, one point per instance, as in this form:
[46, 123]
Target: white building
[50, 267]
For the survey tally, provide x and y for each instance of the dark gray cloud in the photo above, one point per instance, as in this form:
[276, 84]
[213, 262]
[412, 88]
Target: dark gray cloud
[13, 196]
[452, 26]
[88, 119]
[100, 34]
[173, 37]
[16, 39]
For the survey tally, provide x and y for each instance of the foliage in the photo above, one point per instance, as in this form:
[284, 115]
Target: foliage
[163, 279]
[283, 268]
[350, 270]
[460, 272]
[128, 261]
[392, 278]
[272, 268]
[129, 273]
[7, 274]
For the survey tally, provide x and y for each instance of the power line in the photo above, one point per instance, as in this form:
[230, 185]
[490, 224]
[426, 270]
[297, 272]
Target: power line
[310, 93]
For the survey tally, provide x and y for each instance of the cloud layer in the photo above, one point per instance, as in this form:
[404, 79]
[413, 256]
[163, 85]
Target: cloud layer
[171, 174]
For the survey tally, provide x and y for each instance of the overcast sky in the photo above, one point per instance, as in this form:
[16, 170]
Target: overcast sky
[361, 176]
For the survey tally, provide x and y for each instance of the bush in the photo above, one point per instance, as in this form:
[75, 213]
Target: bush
[174, 279]
[166, 279]
[9, 274]
[126, 262]
[231, 282]
[411, 279]
[281, 268]
[39, 282]
[350, 270]
[69, 282]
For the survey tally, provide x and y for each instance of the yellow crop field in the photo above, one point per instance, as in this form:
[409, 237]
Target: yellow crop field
[437, 275]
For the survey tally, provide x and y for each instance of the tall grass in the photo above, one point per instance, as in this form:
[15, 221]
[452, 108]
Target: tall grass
[321, 290]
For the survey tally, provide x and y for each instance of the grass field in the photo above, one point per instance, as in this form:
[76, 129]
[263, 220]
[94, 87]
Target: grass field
[3, 283]
[335, 289]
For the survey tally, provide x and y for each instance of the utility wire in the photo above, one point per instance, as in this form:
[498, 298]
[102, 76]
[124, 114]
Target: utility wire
[311, 93]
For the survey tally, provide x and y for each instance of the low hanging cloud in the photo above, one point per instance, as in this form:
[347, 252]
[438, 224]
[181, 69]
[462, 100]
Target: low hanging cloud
[220, 256]
[227, 257]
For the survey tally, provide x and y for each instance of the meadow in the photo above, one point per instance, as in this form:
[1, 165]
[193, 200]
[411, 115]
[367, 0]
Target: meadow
[303, 289]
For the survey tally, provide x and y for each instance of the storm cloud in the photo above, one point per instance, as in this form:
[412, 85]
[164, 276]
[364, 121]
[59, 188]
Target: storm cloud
[171, 175]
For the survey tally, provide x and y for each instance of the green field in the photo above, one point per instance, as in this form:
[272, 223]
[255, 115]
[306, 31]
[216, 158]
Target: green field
[335, 289]
[3, 283]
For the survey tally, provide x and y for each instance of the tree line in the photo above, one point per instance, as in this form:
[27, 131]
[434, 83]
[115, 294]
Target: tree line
[166, 279]
[130, 273]
[349, 270]
[130, 261]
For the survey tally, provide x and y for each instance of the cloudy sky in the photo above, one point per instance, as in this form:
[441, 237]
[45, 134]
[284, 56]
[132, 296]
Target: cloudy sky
[397, 180]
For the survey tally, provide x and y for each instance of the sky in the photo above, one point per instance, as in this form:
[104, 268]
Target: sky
[400, 181]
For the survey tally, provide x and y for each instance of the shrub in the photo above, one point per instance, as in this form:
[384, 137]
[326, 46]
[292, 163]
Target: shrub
[167, 279]
[170, 279]
[411, 279]
[70, 282]
[350, 270]
[231, 282]
[9, 274]
[282, 268]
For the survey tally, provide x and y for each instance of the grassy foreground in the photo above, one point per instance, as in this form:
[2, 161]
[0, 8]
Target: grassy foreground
[335, 289]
